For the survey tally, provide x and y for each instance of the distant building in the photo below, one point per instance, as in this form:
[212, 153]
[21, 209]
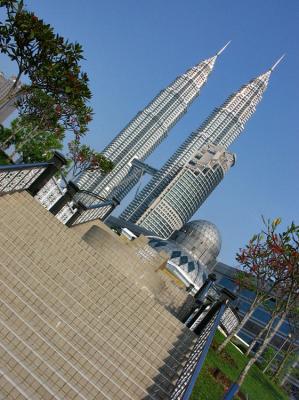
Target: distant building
[192, 251]
[201, 239]
[187, 191]
[221, 128]
[7, 104]
[145, 132]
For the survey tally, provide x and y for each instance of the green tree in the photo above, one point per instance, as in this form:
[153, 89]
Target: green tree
[84, 158]
[259, 273]
[291, 349]
[58, 91]
[56, 98]
[280, 253]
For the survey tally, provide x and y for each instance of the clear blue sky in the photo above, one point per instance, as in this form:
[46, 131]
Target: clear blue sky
[135, 48]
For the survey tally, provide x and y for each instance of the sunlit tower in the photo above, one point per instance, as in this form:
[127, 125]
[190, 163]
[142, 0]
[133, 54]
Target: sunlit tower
[145, 132]
[222, 127]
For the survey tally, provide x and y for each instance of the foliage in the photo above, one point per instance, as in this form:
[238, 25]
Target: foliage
[268, 355]
[58, 90]
[230, 362]
[40, 148]
[35, 147]
[263, 271]
[4, 160]
[84, 158]
[271, 260]
[263, 263]
[56, 98]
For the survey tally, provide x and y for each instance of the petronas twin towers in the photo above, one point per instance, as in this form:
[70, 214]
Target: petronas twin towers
[177, 190]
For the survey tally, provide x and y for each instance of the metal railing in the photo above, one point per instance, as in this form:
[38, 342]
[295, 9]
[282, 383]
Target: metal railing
[38, 179]
[50, 193]
[206, 331]
[85, 213]
[14, 178]
[205, 316]
[31, 177]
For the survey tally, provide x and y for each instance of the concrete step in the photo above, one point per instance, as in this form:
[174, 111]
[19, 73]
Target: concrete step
[53, 222]
[121, 291]
[30, 370]
[84, 323]
[12, 387]
[116, 347]
[167, 373]
[45, 338]
[97, 336]
[15, 244]
[115, 258]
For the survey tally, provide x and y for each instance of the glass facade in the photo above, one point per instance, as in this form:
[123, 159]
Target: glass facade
[225, 278]
[187, 191]
[222, 127]
[145, 132]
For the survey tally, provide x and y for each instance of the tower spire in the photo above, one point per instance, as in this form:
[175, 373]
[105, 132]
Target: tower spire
[221, 128]
[144, 133]
[223, 48]
[277, 62]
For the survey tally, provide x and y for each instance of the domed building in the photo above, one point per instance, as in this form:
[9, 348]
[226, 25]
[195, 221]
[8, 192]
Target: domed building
[201, 239]
[192, 251]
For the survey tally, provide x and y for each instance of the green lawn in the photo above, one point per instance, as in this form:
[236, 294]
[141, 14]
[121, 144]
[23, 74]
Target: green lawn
[220, 370]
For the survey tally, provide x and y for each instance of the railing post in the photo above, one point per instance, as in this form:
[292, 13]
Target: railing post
[56, 163]
[114, 205]
[80, 208]
[192, 368]
[199, 297]
[196, 312]
[71, 190]
[210, 314]
[206, 331]
[226, 297]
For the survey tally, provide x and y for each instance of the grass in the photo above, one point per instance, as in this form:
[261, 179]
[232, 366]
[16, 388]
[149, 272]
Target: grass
[220, 370]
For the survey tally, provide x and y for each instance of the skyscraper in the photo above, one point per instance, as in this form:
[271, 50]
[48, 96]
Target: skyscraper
[145, 132]
[187, 191]
[7, 104]
[222, 127]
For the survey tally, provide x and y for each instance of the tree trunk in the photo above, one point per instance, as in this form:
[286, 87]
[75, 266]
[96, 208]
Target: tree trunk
[260, 335]
[238, 328]
[34, 133]
[283, 362]
[260, 351]
[294, 365]
[6, 144]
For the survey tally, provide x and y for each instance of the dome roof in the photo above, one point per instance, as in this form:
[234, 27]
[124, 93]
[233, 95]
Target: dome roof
[193, 271]
[200, 238]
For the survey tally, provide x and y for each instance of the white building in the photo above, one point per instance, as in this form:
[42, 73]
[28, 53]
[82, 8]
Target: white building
[145, 132]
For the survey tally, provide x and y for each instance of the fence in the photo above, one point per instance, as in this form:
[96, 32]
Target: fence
[192, 368]
[19, 177]
[64, 203]
[50, 193]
